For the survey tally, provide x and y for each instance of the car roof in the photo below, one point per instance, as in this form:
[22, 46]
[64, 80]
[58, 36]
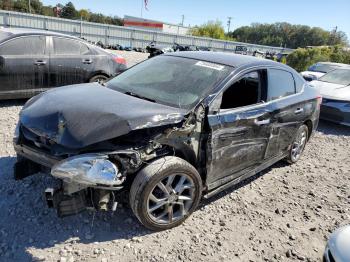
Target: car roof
[230, 59]
[15, 32]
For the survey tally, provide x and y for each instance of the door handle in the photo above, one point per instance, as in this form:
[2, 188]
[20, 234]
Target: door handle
[40, 62]
[262, 122]
[87, 61]
[299, 111]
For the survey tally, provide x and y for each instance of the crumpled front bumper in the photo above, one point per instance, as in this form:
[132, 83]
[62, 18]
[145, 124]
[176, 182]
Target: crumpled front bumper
[336, 111]
[36, 155]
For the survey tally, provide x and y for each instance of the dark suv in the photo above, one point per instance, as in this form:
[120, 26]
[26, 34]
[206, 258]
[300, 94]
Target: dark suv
[169, 130]
[32, 61]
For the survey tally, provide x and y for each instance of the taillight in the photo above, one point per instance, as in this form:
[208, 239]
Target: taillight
[119, 60]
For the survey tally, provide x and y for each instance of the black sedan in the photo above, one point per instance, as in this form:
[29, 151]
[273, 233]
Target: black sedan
[169, 130]
[33, 61]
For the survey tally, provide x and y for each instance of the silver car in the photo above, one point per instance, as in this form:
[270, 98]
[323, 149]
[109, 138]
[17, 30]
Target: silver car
[337, 249]
[318, 70]
[335, 90]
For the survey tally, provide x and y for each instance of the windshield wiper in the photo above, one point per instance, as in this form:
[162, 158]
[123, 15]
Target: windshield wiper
[139, 96]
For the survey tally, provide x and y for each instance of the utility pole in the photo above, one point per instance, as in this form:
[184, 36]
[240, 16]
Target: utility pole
[229, 24]
[333, 36]
[183, 20]
[29, 7]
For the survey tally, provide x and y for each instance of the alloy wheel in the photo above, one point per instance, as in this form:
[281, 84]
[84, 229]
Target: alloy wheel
[171, 199]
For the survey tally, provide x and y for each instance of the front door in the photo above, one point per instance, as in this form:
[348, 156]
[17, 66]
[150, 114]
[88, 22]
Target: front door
[239, 131]
[24, 66]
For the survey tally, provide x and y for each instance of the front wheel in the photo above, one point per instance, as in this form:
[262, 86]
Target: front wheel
[298, 144]
[165, 193]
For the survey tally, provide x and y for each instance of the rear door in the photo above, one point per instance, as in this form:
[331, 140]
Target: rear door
[287, 107]
[239, 131]
[71, 62]
[24, 66]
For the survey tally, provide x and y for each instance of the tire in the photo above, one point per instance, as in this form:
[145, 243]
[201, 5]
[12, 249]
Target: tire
[298, 144]
[166, 206]
[98, 79]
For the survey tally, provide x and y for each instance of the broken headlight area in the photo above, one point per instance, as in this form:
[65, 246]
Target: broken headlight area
[89, 170]
[89, 181]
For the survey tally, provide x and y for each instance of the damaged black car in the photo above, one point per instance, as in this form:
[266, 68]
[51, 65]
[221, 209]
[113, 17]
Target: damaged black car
[169, 131]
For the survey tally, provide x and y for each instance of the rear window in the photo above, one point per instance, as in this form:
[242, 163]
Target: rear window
[63, 46]
[340, 77]
[280, 84]
[322, 68]
[29, 45]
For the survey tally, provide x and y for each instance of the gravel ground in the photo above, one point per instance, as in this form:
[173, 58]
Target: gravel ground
[284, 214]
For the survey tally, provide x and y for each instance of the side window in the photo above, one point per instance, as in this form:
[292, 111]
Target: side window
[244, 92]
[299, 83]
[280, 84]
[28, 45]
[63, 46]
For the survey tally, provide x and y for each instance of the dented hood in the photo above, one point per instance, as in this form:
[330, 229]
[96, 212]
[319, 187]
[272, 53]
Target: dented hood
[80, 115]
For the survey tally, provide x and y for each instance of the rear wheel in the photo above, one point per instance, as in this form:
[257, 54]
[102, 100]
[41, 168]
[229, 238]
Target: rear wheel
[165, 193]
[98, 79]
[298, 144]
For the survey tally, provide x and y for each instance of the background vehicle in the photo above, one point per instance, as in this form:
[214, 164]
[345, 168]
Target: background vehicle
[335, 90]
[32, 61]
[258, 53]
[212, 119]
[337, 249]
[154, 49]
[318, 70]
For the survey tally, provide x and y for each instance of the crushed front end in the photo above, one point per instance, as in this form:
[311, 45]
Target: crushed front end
[96, 149]
[92, 177]
[88, 180]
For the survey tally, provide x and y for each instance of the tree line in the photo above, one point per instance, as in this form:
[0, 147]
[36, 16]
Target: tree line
[288, 35]
[277, 34]
[66, 11]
